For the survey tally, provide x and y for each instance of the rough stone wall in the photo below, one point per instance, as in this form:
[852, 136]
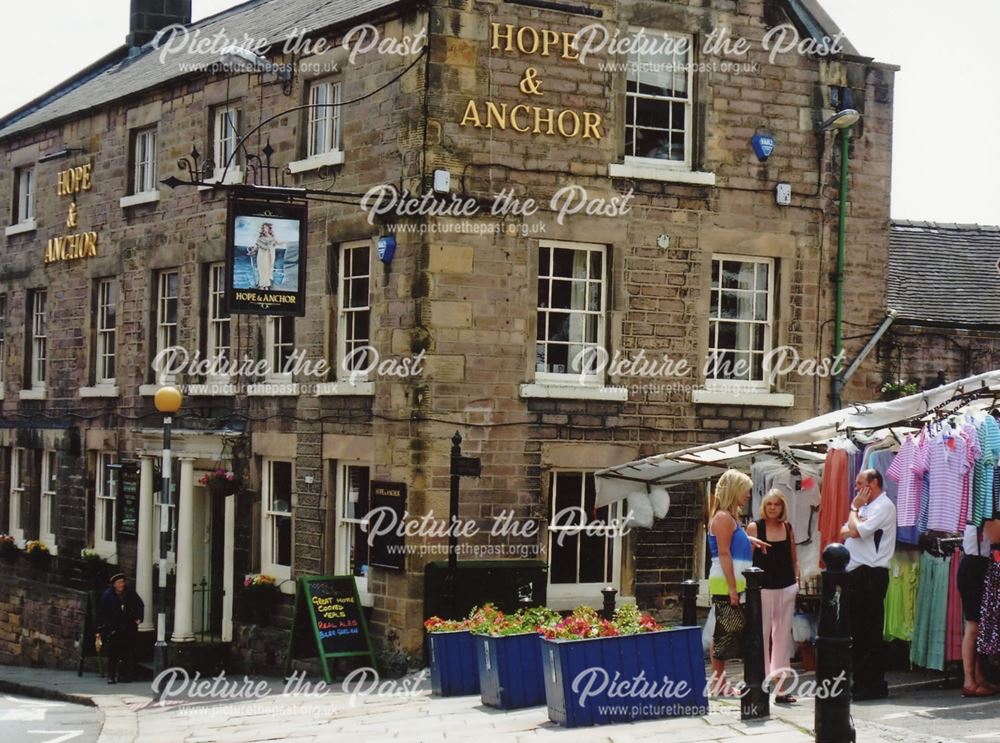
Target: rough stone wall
[41, 620]
[930, 356]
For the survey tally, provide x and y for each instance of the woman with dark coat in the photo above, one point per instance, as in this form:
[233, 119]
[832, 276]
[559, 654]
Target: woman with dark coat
[119, 613]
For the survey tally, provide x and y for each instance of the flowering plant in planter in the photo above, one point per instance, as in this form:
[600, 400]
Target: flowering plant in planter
[488, 620]
[261, 587]
[437, 624]
[8, 547]
[36, 549]
[585, 622]
[221, 482]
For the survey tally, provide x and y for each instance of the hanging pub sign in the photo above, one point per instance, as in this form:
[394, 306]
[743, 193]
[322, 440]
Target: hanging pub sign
[266, 257]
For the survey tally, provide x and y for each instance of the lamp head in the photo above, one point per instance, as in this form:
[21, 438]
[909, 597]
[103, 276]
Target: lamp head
[168, 400]
[243, 58]
[841, 120]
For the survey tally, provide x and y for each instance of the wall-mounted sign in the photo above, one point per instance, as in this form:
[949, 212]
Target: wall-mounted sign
[80, 244]
[386, 248]
[528, 116]
[128, 499]
[266, 257]
[763, 146]
[388, 548]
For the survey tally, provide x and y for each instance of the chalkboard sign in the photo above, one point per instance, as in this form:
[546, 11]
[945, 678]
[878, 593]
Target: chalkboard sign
[387, 548]
[328, 609]
[128, 499]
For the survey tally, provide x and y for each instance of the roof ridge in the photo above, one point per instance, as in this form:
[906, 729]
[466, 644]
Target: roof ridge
[967, 227]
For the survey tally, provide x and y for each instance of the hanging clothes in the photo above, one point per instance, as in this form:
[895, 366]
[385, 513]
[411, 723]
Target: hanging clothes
[834, 497]
[948, 465]
[988, 640]
[907, 469]
[927, 648]
[901, 598]
[955, 627]
[985, 468]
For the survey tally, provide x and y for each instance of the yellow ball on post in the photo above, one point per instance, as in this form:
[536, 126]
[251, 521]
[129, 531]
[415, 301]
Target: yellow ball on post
[168, 400]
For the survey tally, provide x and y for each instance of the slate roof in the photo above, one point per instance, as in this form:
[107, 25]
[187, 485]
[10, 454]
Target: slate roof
[117, 75]
[944, 274]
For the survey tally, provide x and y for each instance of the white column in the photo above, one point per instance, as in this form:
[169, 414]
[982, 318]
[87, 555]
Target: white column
[228, 568]
[184, 597]
[144, 543]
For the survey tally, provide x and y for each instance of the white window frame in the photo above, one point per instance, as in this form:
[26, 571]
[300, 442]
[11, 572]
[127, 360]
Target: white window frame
[569, 376]
[105, 357]
[144, 161]
[345, 526]
[105, 497]
[217, 322]
[167, 332]
[25, 206]
[569, 595]
[38, 361]
[713, 383]
[631, 100]
[225, 136]
[324, 122]
[16, 512]
[347, 311]
[269, 517]
[47, 499]
[274, 342]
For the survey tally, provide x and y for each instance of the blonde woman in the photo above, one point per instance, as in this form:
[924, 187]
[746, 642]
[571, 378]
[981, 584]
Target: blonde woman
[732, 553]
[779, 586]
[266, 249]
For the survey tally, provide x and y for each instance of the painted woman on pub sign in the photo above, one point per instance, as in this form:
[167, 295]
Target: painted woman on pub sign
[266, 252]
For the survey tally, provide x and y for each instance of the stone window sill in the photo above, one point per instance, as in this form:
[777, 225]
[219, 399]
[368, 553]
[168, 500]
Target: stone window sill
[333, 157]
[650, 170]
[100, 390]
[146, 197]
[574, 392]
[344, 388]
[21, 227]
[736, 397]
[33, 393]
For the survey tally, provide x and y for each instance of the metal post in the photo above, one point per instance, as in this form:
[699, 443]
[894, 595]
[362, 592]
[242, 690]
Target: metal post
[689, 590]
[160, 649]
[609, 594]
[451, 580]
[755, 703]
[834, 666]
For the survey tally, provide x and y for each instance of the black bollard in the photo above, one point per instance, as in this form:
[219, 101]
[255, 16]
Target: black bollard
[689, 590]
[834, 666]
[609, 593]
[756, 703]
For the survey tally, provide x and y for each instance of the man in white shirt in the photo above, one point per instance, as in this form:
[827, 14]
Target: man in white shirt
[870, 538]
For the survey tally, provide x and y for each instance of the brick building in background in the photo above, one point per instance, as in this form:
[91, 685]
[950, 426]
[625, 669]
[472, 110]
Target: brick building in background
[680, 251]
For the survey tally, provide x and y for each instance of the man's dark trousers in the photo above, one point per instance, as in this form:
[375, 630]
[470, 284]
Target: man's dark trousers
[866, 599]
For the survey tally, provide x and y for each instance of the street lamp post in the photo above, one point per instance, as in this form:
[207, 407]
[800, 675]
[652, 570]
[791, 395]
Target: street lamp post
[842, 121]
[168, 401]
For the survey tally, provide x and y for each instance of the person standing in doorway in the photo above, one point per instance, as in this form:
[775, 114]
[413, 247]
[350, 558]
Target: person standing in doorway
[779, 587]
[119, 613]
[870, 538]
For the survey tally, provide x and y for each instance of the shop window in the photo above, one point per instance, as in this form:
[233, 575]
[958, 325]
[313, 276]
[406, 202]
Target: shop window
[37, 351]
[217, 322]
[354, 311]
[584, 542]
[353, 505]
[16, 511]
[167, 298]
[276, 531]
[144, 160]
[47, 504]
[572, 294]
[24, 195]
[279, 342]
[106, 322]
[658, 113]
[105, 502]
[740, 323]
[324, 118]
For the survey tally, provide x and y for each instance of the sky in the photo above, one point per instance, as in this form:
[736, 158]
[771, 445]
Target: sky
[947, 109]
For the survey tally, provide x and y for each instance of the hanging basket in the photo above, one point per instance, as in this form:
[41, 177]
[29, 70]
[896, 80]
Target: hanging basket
[221, 483]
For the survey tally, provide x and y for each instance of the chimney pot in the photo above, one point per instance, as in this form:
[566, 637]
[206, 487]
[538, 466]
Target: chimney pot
[147, 17]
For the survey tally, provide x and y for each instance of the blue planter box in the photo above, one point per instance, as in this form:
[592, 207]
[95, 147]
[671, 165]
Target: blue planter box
[454, 671]
[510, 670]
[618, 679]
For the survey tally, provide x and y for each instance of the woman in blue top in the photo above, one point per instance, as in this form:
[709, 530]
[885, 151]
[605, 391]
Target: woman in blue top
[732, 553]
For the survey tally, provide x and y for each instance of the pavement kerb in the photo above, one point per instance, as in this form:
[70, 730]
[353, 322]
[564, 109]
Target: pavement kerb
[40, 692]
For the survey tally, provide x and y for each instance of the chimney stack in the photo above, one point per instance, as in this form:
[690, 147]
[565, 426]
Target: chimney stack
[147, 17]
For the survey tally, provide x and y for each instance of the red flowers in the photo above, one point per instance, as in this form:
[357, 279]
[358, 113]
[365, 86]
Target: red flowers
[585, 623]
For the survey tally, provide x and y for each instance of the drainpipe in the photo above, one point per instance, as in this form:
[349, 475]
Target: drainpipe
[838, 316]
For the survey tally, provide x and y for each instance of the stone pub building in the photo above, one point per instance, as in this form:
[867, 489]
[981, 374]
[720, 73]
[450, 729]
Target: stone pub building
[579, 203]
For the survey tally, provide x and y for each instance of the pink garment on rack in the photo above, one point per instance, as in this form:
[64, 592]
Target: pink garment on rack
[908, 469]
[973, 452]
[955, 626]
